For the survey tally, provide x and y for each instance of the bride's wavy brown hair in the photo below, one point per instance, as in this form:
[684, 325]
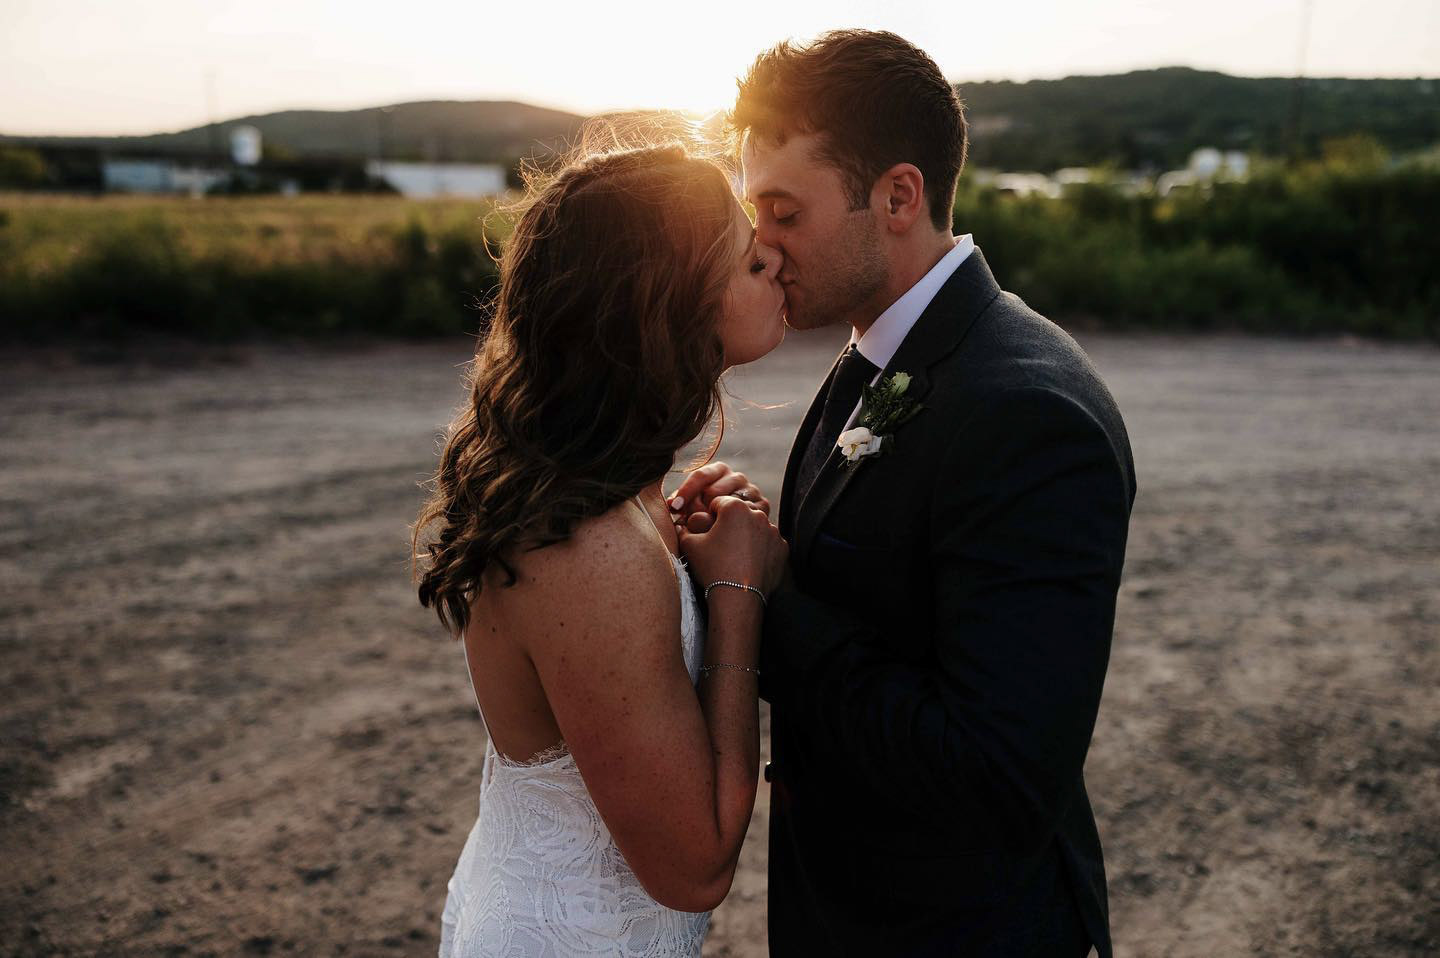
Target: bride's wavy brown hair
[600, 362]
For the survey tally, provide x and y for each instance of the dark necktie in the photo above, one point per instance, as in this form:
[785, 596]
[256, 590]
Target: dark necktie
[854, 371]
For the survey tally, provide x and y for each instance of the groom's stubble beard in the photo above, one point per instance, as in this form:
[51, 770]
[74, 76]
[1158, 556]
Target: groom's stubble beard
[841, 283]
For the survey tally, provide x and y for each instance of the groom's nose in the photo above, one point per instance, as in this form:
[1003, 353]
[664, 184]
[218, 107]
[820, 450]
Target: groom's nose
[775, 258]
[767, 233]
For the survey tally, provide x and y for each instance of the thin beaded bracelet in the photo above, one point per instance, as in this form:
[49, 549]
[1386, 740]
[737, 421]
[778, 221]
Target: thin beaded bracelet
[735, 585]
[707, 669]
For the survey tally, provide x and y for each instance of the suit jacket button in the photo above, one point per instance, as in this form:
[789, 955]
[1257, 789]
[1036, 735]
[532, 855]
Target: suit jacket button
[769, 773]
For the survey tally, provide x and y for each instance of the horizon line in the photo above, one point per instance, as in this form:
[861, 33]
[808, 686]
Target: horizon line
[684, 111]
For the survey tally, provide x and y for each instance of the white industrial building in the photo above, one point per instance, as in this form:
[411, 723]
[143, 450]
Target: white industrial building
[140, 175]
[440, 179]
[157, 176]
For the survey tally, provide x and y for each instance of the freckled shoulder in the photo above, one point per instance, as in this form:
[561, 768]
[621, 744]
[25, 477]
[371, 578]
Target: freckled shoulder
[612, 582]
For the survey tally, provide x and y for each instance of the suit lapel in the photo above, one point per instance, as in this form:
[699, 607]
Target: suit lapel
[935, 335]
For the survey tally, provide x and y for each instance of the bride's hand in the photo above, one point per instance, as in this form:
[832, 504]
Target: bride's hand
[702, 486]
[740, 545]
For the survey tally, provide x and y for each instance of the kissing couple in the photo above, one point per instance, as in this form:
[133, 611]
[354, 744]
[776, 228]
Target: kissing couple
[930, 620]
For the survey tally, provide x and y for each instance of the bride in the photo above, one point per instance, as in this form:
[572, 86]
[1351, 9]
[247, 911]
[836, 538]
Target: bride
[620, 772]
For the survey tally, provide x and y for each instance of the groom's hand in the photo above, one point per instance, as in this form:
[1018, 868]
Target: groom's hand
[690, 504]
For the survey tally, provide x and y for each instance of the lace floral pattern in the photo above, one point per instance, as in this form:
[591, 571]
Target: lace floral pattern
[540, 876]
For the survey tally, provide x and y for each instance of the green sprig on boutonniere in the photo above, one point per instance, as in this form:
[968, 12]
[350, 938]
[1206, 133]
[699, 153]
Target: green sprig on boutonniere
[883, 409]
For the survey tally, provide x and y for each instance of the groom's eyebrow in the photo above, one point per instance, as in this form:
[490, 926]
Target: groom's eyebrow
[775, 193]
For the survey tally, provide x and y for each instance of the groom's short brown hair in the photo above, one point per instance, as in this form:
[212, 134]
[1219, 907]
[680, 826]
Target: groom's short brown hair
[876, 100]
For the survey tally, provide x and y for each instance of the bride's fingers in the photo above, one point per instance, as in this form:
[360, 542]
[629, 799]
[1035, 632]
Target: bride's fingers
[731, 484]
[686, 509]
[699, 522]
[696, 482]
[752, 498]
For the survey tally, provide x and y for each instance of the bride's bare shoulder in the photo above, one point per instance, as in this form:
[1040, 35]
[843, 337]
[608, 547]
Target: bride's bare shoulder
[611, 562]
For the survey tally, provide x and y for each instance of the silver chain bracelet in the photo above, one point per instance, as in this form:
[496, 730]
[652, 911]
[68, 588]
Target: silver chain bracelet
[735, 585]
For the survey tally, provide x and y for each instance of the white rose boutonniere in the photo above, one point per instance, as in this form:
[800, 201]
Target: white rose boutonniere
[858, 442]
[883, 409]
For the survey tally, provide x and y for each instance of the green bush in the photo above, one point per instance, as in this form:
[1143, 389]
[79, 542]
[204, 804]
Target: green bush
[21, 169]
[224, 268]
[1341, 246]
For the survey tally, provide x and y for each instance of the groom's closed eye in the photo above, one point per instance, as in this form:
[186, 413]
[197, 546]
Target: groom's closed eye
[783, 213]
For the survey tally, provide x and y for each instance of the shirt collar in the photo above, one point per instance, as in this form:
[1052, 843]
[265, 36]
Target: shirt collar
[885, 335]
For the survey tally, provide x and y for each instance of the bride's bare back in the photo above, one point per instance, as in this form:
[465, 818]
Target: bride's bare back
[499, 645]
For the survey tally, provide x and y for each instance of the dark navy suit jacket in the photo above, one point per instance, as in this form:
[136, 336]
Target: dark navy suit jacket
[935, 675]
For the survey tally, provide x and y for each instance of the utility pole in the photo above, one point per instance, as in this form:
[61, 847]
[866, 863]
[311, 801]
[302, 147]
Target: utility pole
[212, 126]
[1297, 104]
[382, 131]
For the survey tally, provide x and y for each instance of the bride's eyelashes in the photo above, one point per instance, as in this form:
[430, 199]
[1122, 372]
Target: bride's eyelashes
[758, 266]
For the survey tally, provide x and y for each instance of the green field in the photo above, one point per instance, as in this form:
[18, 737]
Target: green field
[224, 267]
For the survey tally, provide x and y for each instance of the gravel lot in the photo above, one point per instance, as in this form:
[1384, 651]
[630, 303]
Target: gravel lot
[227, 727]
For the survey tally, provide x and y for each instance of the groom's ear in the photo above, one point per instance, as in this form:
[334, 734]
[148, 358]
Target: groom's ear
[899, 197]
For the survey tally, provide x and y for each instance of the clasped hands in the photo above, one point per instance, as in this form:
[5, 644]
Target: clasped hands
[724, 528]
[692, 504]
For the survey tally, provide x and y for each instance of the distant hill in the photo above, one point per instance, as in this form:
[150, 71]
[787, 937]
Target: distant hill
[435, 129]
[1157, 117]
[1148, 118]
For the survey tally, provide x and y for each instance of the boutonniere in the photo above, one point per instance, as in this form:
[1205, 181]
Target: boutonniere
[883, 409]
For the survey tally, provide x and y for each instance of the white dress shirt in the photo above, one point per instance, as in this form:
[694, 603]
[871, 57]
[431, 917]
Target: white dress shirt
[883, 338]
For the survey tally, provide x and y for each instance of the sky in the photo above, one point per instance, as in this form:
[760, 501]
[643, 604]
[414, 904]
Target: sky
[124, 66]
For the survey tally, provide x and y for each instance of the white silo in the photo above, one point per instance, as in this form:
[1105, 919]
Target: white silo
[245, 145]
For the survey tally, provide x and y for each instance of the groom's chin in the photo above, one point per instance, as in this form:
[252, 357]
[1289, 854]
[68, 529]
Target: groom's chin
[798, 319]
[800, 323]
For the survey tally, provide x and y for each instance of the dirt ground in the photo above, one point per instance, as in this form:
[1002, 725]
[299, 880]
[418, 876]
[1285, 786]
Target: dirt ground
[226, 727]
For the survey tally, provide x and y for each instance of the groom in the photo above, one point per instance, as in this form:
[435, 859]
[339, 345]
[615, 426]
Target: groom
[935, 673]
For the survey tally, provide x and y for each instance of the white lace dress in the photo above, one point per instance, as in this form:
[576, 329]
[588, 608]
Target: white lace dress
[540, 876]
